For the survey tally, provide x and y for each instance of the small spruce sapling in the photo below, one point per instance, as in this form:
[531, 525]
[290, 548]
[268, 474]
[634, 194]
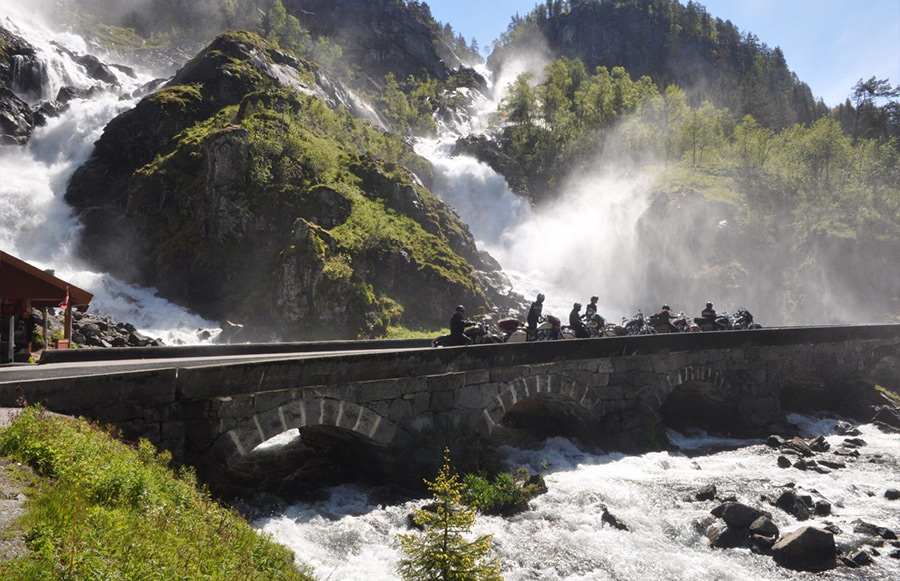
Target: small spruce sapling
[441, 552]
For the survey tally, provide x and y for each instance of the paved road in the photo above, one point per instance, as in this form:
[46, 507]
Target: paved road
[25, 372]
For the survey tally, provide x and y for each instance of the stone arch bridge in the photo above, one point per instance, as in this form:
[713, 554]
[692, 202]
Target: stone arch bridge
[616, 391]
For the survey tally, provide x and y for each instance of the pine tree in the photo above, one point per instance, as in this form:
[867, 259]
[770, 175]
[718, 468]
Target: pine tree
[441, 552]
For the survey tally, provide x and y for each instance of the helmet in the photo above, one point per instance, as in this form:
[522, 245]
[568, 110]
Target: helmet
[595, 299]
[577, 306]
[665, 307]
[708, 305]
[540, 297]
[460, 309]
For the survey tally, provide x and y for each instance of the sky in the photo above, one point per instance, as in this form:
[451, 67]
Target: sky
[829, 44]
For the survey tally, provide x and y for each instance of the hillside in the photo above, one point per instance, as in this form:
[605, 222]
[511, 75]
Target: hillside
[245, 190]
[672, 43]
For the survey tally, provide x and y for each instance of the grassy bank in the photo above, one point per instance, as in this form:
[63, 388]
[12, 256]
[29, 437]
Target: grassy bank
[100, 509]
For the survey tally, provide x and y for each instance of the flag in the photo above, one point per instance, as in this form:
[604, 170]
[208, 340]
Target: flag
[64, 305]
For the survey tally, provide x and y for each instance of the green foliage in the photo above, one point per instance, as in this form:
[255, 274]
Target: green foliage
[505, 494]
[441, 551]
[682, 43]
[104, 510]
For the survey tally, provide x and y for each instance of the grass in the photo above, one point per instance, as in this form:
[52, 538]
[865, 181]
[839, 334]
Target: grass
[101, 509]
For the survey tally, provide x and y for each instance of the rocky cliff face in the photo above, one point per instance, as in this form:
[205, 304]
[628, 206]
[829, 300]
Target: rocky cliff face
[244, 190]
[378, 36]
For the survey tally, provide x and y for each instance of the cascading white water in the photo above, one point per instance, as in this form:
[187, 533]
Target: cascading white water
[36, 224]
[575, 248]
[562, 536]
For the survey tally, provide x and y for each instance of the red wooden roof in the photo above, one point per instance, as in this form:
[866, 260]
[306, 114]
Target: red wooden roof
[20, 280]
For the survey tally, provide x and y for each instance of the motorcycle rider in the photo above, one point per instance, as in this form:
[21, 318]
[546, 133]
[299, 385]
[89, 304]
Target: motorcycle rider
[534, 313]
[708, 316]
[576, 324]
[458, 324]
[664, 316]
[591, 309]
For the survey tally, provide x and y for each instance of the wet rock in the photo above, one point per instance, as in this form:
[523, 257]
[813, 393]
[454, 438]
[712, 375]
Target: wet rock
[865, 528]
[784, 462]
[806, 549]
[722, 536]
[892, 494]
[844, 451]
[761, 544]
[854, 443]
[707, 492]
[791, 503]
[887, 416]
[738, 515]
[537, 482]
[862, 558]
[775, 441]
[895, 554]
[822, 508]
[833, 464]
[819, 444]
[610, 519]
[16, 119]
[800, 445]
[846, 429]
[765, 527]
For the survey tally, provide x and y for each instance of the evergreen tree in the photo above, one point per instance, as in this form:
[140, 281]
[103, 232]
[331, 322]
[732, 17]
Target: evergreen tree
[441, 552]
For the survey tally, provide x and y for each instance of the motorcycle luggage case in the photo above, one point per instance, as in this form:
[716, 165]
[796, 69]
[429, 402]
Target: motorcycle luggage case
[508, 325]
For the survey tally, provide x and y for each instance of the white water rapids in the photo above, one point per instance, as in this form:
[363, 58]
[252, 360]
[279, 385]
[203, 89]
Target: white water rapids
[562, 537]
[36, 224]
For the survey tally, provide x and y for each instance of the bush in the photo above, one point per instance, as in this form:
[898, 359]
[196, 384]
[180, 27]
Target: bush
[506, 495]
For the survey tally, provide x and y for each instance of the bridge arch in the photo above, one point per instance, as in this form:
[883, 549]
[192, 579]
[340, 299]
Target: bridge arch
[350, 417]
[554, 395]
[699, 397]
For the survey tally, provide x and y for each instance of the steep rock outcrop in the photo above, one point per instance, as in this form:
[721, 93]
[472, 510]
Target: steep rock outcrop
[244, 190]
[378, 36]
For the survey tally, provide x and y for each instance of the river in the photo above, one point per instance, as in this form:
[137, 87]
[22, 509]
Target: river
[562, 537]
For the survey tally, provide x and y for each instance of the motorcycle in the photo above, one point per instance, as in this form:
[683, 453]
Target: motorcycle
[478, 333]
[744, 320]
[596, 326]
[550, 329]
[513, 331]
[685, 324]
[637, 325]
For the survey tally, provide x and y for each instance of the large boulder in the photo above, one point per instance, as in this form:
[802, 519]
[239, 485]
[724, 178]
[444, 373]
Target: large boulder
[21, 70]
[16, 119]
[806, 549]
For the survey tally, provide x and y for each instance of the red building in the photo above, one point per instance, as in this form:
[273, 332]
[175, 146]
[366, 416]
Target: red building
[23, 288]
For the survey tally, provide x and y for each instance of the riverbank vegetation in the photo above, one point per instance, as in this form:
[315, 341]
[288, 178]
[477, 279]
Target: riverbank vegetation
[100, 509]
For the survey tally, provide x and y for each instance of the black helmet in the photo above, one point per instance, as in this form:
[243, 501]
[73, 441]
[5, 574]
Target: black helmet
[460, 309]
[577, 306]
[540, 297]
[665, 307]
[595, 299]
[708, 305]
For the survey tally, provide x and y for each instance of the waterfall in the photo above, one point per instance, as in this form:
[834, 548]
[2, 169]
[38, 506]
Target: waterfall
[575, 248]
[36, 224]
